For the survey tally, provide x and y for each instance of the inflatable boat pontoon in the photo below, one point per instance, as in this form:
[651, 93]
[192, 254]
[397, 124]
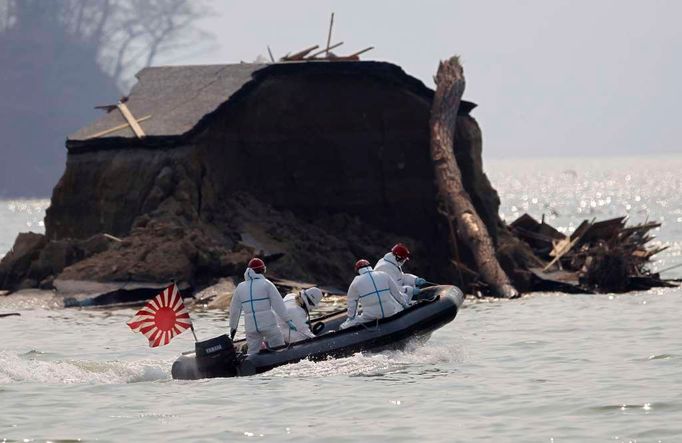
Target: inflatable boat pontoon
[220, 357]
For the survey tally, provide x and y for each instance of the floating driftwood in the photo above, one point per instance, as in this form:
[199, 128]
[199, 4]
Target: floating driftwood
[604, 256]
[11, 314]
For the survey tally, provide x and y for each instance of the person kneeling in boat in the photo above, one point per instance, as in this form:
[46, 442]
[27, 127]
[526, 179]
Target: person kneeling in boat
[375, 292]
[257, 298]
[298, 307]
[392, 264]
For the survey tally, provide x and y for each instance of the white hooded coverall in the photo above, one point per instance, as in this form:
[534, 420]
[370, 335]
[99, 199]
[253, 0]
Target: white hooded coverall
[300, 318]
[378, 295]
[390, 265]
[257, 298]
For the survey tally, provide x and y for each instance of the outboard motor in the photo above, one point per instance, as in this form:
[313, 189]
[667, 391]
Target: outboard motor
[214, 346]
[216, 357]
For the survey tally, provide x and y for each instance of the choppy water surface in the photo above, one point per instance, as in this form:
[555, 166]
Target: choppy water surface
[548, 367]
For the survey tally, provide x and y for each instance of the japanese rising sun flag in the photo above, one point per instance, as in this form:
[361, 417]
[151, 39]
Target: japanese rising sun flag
[162, 318]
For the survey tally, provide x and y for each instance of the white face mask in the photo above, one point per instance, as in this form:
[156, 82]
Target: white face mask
[305, 300]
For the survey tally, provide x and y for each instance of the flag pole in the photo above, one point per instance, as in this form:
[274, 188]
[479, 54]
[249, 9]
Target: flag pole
[191, 323]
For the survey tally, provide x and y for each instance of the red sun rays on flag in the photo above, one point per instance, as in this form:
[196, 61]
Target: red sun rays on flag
[162, 318]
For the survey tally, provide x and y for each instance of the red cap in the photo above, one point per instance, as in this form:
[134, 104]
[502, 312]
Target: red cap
[401, 252]
[257, 265]
[362, 263]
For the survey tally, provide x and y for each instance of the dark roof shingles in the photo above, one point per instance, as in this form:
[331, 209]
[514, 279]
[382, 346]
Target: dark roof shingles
[176, 97]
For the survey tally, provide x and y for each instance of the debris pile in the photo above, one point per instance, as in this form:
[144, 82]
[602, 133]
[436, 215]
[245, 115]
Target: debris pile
[604, 256]
[183, 195]
[325, 53]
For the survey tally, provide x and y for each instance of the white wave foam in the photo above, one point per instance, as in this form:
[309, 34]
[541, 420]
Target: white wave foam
[14, 369]
[27, 299]
[371, 364]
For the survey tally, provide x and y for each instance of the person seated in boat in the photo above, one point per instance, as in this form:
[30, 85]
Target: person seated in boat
[258, 299]
[392, 264]
[298, 307]
[375, 292]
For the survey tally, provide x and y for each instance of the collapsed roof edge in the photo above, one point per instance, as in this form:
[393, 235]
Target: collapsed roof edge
[178, 102]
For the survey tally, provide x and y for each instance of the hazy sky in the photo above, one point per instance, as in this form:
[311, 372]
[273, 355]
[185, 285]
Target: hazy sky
[550, 77]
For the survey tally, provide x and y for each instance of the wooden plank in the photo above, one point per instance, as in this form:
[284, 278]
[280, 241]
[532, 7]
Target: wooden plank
[329, 36]
[524, 235]
[111, 237]
[116, 128]
[352, 57]
[582, 228]
[563, 247]
[326, 50]
[300, 54]
[526, 222]
[559, 281]
[643, 228]
[362, 51]
[134, 125]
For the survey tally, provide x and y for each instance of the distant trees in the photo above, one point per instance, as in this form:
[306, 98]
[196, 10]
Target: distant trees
[122, 35]
[59, 58]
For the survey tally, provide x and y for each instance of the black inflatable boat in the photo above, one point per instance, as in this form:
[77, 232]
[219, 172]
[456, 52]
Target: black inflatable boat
[220, 357]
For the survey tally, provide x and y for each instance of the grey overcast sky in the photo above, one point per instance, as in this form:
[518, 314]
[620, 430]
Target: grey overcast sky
[552, 78]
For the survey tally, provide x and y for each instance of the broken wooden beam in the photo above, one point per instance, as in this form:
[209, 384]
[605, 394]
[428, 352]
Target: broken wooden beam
[362, 51]
[326, 51]
[116, 128]
[564, 246]
[300, 54]
[134, 125]
[329, 36]
[558, 281]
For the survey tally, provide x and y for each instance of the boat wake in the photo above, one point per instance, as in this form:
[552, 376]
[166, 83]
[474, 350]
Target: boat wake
[36, 367]
[26, 368]
[417, 359]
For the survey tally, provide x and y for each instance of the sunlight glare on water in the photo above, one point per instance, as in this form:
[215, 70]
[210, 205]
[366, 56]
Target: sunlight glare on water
[20, 216]
[570, 190]
[546, 367]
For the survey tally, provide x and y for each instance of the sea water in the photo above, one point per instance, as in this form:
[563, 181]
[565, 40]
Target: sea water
[547, 367]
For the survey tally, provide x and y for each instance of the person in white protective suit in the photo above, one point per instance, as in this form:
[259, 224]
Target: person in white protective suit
[392, 264]
[256, 297]
[375, 292]
[298, 307]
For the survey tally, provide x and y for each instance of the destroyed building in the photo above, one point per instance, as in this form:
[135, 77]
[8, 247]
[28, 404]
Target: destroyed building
[312, 164]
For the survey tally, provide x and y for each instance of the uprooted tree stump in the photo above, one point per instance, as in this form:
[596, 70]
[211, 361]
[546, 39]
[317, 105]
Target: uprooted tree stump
[459, 210]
